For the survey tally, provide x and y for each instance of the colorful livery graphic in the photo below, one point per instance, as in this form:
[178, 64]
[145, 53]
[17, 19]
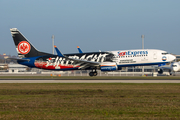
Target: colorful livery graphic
[104, 61]
[24, 47]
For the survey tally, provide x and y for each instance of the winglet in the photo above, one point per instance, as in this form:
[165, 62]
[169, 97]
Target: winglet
[58, 52]
[80, 51]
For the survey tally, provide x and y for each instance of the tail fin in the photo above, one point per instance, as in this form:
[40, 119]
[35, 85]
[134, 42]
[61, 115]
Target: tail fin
[24, 48]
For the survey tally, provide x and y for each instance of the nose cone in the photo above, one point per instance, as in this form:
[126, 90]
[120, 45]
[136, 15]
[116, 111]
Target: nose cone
[172, 57]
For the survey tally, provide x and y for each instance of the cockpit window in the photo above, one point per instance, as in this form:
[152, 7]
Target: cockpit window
[165, 53]
[174, 65]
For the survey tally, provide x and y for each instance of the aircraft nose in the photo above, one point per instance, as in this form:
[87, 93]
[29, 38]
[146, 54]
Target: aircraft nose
[173, 57]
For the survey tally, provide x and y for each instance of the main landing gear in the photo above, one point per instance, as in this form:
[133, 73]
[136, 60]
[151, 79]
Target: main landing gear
[93, 73]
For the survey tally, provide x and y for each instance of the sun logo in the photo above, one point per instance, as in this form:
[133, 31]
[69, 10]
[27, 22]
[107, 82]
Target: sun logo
[164, 58]
[24, 47]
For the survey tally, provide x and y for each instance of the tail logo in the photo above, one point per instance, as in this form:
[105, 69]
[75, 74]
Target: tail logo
[24, 47]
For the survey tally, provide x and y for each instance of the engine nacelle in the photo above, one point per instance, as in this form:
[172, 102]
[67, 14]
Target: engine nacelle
[160, 71]
[109, 67]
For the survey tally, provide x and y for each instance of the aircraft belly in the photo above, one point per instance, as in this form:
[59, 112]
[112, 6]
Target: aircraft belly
[141, 63]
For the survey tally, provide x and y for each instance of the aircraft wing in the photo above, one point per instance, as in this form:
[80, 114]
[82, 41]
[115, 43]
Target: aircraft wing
[164, 67]
[78, 62]
[167, 68]
[83, 63]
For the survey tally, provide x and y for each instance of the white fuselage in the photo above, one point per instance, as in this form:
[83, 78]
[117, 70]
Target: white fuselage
[141, 57]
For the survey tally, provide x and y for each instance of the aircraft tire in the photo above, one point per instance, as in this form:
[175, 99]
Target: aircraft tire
[91, 74]
[95, 73]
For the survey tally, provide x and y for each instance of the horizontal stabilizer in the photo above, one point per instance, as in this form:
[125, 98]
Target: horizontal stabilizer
[19, 59]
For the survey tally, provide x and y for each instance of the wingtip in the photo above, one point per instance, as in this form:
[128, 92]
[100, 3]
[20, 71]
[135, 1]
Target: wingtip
[55, 46]
[77, 46]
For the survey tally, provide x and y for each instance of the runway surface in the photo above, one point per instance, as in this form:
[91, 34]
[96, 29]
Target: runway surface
[89, 81]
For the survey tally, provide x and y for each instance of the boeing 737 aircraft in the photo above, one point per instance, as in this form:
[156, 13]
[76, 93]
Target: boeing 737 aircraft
[104, 61]
[174, 67]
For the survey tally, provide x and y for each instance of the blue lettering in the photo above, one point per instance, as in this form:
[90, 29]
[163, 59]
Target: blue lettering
[138, 52]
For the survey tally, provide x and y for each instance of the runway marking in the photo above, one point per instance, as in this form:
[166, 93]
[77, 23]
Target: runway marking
[89, 81]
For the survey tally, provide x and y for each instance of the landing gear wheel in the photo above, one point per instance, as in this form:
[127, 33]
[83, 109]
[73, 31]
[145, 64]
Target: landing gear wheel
[93, 74]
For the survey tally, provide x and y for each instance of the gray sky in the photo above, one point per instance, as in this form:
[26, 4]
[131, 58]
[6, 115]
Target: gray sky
[91, 24]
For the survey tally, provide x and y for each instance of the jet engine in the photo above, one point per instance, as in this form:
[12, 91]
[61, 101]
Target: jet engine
[109, 66]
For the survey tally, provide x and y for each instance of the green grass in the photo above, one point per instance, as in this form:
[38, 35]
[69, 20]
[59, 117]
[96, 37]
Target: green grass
[89, 101]
[93, 78]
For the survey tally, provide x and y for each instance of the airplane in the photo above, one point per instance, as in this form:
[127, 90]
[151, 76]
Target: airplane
[104, 61]
[174, 67]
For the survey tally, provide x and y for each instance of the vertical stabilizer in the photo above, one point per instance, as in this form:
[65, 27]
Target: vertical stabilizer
[24, 48]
